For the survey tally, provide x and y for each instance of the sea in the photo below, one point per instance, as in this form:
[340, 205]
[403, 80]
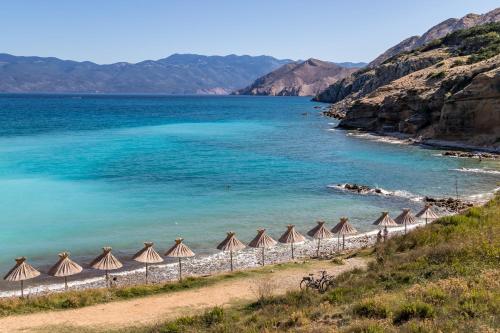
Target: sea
[79, 172]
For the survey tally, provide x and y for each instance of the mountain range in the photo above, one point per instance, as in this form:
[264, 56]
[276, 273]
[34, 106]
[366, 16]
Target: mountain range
[302, 78]
[176, 74]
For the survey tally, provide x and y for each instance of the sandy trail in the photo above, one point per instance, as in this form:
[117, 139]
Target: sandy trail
[151, 309]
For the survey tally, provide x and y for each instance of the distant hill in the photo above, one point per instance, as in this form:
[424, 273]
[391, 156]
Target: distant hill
[176, 74]
[304, 78]
[438, 31]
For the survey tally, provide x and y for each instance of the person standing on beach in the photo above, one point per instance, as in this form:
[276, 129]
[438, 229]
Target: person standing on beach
[386, 234]
[379, 236]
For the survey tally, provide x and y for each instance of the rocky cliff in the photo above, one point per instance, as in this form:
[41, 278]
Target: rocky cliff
[438, 31]
[446, 90]
[305, 78]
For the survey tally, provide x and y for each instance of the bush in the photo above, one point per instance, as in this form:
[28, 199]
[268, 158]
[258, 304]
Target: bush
[415, 310]
[436, 75]
[214, 316]
[366, 328]
[371, 309]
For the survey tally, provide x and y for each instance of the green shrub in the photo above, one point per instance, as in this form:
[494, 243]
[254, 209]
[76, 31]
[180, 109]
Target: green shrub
[366, 328]
[214, 316]
[371, 309]
[414, 310]
[436, 75]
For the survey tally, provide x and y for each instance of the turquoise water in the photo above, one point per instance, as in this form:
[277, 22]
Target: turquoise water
[81, 172]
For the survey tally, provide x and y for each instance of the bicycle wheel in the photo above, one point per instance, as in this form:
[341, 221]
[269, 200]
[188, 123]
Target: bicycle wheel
[324, 286]
[304, 284]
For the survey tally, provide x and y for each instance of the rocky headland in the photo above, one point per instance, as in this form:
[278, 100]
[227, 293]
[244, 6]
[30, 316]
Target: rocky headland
[303, 78]
[445, 91]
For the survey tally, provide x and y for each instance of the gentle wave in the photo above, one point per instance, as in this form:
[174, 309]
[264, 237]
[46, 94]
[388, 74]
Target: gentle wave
[378, 138]
[381, 191]
[475, 170]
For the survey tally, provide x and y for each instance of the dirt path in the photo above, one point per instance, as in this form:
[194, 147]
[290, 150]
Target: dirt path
[152, 309]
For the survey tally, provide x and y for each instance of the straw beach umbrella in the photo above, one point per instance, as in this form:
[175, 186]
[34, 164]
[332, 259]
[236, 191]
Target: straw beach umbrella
[406, 217]
[320, 232]
[385, 221]
[147, 255]
[231, 244]
[20, 272]
[179, 250]
[291, 236]
[65, 267]
[343, 228]
[427, 213]
[106, 261]
[263, 241]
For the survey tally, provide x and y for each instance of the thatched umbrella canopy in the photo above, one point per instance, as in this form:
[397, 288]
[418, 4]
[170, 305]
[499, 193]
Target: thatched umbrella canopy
[65, 267]
[319, 232]
[291, 236]
[343, 228]
[231, 244]
[147, 255]
[106, 261]
[262, 240]
[385, 221]
[427, 213]
[179, 250]
[406, 217]
[20, 272]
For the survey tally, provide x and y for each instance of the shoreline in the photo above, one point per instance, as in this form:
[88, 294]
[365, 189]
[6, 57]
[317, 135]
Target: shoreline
[401, 138]
[217, 263]
[212, 264]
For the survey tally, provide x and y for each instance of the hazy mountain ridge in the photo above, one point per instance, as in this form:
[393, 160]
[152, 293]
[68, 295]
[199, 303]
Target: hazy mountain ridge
[303, 78]
[176, 74]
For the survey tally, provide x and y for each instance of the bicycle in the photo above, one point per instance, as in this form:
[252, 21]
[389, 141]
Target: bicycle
[322, 284]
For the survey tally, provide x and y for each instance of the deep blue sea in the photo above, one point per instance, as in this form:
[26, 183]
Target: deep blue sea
[81, 172]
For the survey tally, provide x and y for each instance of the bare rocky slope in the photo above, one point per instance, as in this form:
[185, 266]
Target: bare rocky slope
[438, 31]
[447, 90]
[305, 78]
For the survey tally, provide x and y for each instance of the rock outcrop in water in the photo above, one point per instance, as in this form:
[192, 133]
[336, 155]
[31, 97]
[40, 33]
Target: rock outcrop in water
[449, 90]
[305, 78]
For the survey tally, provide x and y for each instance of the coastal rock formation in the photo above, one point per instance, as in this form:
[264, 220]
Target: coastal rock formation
[176, 74]
[448, 90]
[438, 31]
[306, 78]
[450, 204]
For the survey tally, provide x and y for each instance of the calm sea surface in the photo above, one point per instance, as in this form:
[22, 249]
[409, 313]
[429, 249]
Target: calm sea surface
[81, 172]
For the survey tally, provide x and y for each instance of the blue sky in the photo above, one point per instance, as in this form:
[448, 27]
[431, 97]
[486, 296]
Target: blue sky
[108, 31]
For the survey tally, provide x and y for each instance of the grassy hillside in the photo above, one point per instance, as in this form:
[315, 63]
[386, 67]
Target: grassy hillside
[444, 277]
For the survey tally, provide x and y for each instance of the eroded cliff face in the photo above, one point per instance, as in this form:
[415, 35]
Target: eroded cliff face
[473, 114]
[444, 101]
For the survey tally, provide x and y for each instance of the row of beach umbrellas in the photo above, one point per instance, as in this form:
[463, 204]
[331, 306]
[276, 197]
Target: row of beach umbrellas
[106, 261]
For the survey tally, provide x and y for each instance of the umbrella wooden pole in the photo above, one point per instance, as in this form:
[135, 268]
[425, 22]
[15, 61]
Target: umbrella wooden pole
[338, 243]
[405, 227]
[65, 283]
[107, 279]
[317, 250]
[263, 256]
[146, 273]
[426, 220]
[180, 270]
[231, 256]
[292, 250]
[22, 289]
[343, 242]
